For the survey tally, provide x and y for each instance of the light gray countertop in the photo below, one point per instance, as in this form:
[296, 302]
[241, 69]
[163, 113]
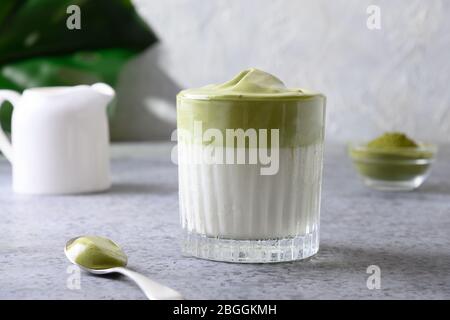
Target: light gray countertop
[406, 234]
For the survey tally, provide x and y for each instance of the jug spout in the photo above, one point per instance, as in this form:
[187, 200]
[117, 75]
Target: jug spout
[105, 91]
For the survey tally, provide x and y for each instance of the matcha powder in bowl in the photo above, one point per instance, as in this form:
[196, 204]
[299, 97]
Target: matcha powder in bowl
[392, 140]
[393, 161]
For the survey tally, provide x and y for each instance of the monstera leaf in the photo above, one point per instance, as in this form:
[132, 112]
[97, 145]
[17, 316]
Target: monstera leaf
[38, 49]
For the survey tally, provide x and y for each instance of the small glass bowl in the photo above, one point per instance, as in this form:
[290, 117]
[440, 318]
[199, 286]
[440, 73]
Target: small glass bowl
[393, 169]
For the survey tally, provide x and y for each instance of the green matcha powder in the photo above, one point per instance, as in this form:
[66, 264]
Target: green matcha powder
[392, 156]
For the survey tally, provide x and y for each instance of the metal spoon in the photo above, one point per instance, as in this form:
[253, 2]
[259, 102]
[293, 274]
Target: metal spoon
[152, 289]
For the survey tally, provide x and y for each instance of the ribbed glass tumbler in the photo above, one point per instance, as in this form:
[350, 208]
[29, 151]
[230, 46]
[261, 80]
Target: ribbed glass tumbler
[250, 176]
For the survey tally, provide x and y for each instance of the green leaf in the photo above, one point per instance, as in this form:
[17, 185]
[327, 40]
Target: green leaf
[84, 67]
[37, 49]
[38, 28]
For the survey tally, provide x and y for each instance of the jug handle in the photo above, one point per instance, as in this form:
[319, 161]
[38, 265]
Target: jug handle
[5, 145]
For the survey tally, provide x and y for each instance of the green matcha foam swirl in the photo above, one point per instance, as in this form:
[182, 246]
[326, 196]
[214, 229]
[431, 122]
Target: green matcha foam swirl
[255, 99]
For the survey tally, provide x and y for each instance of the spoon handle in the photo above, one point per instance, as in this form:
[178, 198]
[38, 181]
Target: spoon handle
[152, 289]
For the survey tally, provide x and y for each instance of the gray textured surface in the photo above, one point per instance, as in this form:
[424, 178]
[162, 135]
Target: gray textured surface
[405, 234]
[375, 80]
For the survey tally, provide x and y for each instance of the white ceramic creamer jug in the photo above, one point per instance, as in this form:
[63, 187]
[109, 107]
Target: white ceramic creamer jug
[59, 139]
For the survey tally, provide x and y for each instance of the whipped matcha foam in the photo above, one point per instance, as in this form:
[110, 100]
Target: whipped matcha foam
[258, 100]
[96, 252]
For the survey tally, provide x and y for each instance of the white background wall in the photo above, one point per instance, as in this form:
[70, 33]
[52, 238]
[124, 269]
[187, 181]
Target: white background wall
[375, 80]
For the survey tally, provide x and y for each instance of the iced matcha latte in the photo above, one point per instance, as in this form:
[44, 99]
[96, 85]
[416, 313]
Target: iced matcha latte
[250, 166]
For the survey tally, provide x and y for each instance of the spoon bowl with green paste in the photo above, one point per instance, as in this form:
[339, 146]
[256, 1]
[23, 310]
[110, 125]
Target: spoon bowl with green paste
[100, 255]
[393, 162]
